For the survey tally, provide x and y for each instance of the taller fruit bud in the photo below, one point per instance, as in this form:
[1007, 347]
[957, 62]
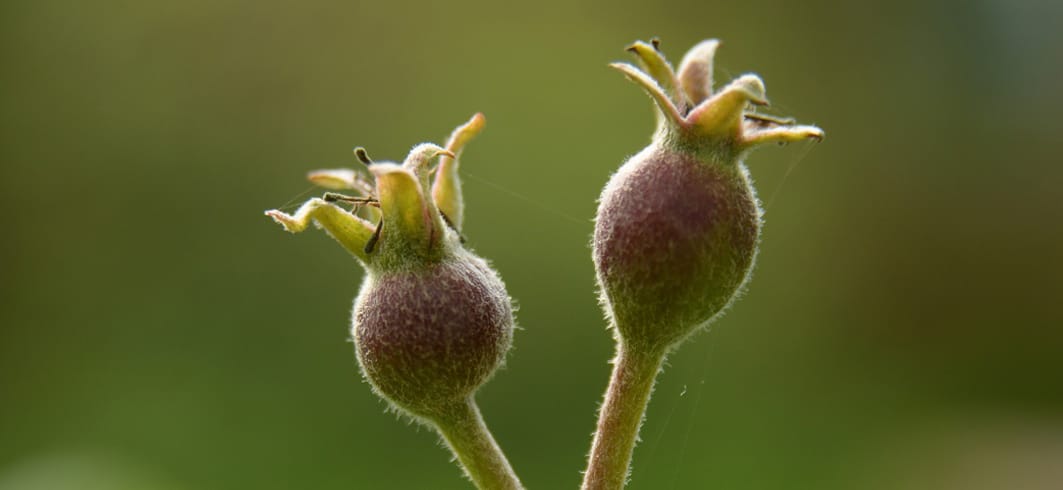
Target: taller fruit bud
[677, 226]
[676, 232]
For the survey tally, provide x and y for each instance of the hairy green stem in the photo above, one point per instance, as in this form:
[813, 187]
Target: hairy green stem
[621, 415]
[464, 430]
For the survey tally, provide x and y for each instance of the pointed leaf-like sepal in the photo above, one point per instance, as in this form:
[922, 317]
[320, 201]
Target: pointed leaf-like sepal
[660, 70]
[695, 71]
[721, 115]
[759, 132]
[446, 189]
[408, 225]
[667, 113]
[349, 230]
[341, 179]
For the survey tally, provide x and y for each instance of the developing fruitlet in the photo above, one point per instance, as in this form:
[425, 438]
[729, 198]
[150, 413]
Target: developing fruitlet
[427, 339]
[677, 226]
[676, 232]
[432, 321]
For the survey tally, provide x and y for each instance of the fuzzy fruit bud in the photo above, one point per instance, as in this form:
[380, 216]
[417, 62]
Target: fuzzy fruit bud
[677, 226]
[432, 321]
[428, 339]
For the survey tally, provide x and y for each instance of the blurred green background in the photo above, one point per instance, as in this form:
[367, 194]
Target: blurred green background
[902, 330]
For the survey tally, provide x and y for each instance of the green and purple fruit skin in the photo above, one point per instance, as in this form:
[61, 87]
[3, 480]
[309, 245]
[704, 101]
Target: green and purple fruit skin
[678, 224]
[427, 338]
[432, 321]
[675, 239]
[676, 231]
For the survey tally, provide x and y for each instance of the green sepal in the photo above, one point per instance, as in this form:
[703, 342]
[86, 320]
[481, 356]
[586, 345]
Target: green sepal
[695, 71]
[446, 190]
[411, 230]
[690, 116]
[349, 230]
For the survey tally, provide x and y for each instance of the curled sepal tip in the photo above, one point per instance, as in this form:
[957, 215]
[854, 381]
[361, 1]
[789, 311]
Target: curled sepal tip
[418, 158]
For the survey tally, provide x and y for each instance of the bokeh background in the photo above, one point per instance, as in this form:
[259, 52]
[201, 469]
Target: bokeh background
[902, 331]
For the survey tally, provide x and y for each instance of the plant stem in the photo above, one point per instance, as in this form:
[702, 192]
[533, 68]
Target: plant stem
[463, 428]
[621, 415]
